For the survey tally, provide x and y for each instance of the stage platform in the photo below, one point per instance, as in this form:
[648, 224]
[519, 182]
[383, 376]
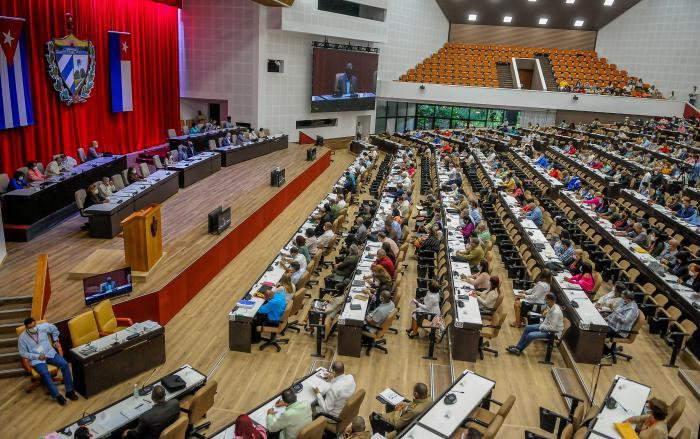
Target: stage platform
[192, 255]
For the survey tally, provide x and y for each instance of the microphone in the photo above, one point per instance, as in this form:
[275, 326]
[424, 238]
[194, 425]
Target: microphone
[144, 391]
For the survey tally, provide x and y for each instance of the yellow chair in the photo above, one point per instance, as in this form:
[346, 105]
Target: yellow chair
[83, 328]
[107, 323]
[34, 377]
[196, 406]
[176, 430]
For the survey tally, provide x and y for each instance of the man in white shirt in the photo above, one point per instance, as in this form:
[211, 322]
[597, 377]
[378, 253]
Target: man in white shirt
[342, 387]
[328, 234]
[52, 168]
[67, 162]
[295, 273]
[342, 204]
[294, 255]
[551, 326]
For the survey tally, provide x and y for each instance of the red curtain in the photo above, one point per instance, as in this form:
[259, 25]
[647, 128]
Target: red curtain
[58, 127]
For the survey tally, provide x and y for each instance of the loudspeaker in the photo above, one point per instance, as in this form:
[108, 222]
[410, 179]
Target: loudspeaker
[275, 66]
[319, 141]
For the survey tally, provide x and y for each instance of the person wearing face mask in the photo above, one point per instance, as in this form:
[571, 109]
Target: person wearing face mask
[18, 181]
[692, 279]
[93, 196]
[36, 344]
[621, 320]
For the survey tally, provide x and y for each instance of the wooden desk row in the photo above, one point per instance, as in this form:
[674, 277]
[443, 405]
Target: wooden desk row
[45, 204]
[105, 219]
[258, 414]
[465, 331]
[110, 420]
[109, 360]
[679, 295]
[586, 335]
[232, 154]
[352, 318]
[241, 317]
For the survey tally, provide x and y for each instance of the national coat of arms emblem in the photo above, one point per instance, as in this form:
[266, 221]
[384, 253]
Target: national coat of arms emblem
[71, 66]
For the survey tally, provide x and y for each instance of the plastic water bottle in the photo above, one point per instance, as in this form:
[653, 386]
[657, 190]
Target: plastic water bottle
[136, 390]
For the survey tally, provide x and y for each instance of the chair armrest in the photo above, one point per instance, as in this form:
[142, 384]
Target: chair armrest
[498, 403]
[372, 326]
[330, 418]
[104, 334]
[477, 421]
[568, 395]
[124, 320]
[188, 411]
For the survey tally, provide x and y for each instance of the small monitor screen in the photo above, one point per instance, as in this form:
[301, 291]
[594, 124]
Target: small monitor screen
[343, 80]
[108, 285]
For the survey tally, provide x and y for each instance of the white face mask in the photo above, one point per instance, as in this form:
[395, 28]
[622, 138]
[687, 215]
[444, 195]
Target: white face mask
[33, 330]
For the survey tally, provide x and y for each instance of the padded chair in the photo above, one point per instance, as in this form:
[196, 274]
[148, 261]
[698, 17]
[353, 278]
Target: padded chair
[482, 419]
[143, 168]
[297, 305]
[196, 407]
[81, 155]
[313, 430]
[626, 340]
[677, 338]
[83, 328]
[491, 331]
[156, 161]
[176, 430]
[172, 132]
[125, 177]
[4, 182]
[684, 433]
[275, 330]
[118, 182]
[34, 377]
[337, 425]
[107, 323]
[376, 339]
[675, 410]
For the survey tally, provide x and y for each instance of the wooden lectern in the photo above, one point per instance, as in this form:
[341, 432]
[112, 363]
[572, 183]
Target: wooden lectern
[143, 244]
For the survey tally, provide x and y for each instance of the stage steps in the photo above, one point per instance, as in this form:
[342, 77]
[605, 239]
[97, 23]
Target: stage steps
[504, 75]
[13, 311]
[547, 72]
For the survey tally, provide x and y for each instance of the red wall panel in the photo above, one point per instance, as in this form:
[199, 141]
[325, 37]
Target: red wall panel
[58, 127]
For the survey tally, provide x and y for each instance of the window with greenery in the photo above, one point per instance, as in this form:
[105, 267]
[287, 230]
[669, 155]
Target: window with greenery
[402, 116]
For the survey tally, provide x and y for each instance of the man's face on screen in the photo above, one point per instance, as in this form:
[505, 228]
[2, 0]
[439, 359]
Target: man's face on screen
[348, 69]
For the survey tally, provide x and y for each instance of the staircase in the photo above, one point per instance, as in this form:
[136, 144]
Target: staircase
[505, 78]
[549, 78]
[13, 311]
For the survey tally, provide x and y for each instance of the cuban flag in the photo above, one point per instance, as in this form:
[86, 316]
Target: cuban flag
[15, 98]
[120, 71]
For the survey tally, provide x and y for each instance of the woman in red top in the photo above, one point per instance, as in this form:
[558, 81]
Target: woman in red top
[584, 279]
[245, 429]
[34, 172]
[554, 173]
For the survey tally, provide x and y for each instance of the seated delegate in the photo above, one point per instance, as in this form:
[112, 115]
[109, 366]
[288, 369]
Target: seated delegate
[391, 423]
[157, 418]
[18, 181]
[36, 344]
[295, 416]
[342, 387]
[270, 313]
[551, 326]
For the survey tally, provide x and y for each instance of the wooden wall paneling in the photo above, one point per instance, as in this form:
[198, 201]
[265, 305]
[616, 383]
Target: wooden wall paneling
[523, 36]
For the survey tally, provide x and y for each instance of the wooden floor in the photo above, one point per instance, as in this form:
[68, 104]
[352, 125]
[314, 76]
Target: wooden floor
[245, 187]
[198, 336]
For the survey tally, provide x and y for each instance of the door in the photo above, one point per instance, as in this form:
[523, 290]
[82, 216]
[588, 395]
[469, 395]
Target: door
[362, 127]
[215, 112]
[525, 78]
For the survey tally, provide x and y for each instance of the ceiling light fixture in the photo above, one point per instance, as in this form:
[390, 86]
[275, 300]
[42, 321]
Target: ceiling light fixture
[578, 23]
[543, 20]
[570, 2]
[472, 17]
[608, 2]
[507, 18]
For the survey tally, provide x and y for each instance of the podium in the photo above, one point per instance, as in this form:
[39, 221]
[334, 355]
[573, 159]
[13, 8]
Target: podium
[143, 244]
